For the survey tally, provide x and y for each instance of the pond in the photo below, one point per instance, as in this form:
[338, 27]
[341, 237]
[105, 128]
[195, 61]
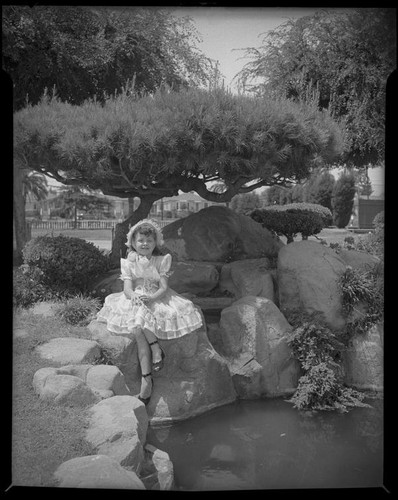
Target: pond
[269, 444]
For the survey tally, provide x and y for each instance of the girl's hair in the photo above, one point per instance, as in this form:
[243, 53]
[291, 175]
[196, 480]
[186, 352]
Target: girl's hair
[146, 230]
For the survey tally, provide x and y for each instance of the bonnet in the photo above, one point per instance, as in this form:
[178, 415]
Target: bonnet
[146, 222]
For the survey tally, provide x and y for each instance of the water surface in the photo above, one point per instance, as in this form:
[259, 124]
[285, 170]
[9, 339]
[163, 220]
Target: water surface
[268, 444]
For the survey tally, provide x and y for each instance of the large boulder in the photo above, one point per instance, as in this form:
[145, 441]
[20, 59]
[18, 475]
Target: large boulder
[186, 277]
[96, 471]
[307, 280]
[219, 234]
[194, 378]
[193, 277]
[248, 277]
[252, 337]
[117, 428]
[363, 360]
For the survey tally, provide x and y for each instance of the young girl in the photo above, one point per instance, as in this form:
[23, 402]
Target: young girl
[147, 307]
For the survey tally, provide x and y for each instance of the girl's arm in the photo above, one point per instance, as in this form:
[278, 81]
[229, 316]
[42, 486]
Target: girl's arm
[128, 289]
[163, 286]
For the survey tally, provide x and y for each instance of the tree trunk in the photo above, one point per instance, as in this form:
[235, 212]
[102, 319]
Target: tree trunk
[119, 247]
[19, 215]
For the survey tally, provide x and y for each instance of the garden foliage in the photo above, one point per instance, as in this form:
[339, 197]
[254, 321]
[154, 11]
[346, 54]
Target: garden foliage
[67, 262]
[318, 351]
[78, 310]
[289, 220]
[362, 297]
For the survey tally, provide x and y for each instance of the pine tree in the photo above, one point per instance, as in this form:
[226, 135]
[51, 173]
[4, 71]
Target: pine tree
[343, 199]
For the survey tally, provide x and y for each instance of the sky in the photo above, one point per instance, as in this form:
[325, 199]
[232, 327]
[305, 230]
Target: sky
[225, 29]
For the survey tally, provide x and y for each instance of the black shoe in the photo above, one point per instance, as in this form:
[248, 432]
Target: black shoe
[146, 400]
[159, 364]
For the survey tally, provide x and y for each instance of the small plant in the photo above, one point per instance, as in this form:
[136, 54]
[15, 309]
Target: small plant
[362, 297]
[78, 310]
[318, 351]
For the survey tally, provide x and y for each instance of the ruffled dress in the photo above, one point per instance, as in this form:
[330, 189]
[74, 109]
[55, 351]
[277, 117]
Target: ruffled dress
[169, 317]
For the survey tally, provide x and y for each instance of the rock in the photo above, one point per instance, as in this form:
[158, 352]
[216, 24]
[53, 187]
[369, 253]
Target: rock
[96, 471]
[194, 378]
[307, 280]
[357, 259]
[193, 277]
[117, 428]
[60, 384]
[121, 351]
[363, 360]
[253, 339]
[64, 389]
[67, 350]
[107, 378]
[248, 277]
[219, 234]
[158, 471]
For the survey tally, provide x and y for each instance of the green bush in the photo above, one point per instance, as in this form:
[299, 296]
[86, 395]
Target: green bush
[78, 310]
[289, 220]
[318, 351]
[69, 263]
[362, 297]
[373, 242]
[28, 287]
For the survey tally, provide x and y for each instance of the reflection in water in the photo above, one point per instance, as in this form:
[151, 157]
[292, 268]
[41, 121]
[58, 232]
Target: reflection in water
[267, 444]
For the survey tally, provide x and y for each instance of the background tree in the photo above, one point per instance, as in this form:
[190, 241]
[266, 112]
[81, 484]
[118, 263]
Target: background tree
[245, 203]
[320, 189]
[156, 145]
[86, 51]
[75, 200]
[343, 199]
[344, 56]
[35, 184]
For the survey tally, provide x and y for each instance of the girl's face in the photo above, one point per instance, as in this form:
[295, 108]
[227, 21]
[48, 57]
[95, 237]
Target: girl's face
[144, 244]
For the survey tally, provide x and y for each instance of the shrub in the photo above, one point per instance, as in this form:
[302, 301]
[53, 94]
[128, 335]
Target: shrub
[78, 310]
[28, 287]
[362, 297]
[68, 262]
[289, 220]
[373, 242]
[318, 351]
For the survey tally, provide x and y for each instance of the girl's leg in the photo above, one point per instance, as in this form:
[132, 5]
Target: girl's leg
[155, 348]
[145, 359]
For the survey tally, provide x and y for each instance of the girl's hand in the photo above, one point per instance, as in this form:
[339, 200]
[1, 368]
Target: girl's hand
[146, 299]
[135, 299]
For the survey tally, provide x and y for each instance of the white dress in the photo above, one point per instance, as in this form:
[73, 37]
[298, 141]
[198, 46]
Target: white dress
[169, 317]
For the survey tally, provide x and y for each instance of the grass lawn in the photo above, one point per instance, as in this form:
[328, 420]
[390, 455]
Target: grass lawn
[85, 234]
[43, 434]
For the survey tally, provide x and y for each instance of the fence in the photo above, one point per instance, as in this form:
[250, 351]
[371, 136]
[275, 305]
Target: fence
[83, 224]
